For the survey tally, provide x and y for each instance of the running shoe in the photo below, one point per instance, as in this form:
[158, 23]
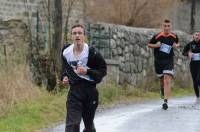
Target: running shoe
[165, 106]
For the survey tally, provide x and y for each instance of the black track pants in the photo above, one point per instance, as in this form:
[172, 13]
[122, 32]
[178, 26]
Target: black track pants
[195, 72]
[82, 103]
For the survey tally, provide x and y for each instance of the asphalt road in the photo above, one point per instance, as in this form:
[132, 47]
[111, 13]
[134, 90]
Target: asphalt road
[183, 115]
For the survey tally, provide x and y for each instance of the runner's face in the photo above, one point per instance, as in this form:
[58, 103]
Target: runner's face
[166, 28]
[78, 35]
[196, 36]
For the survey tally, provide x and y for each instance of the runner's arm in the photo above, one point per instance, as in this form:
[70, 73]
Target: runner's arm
[63, 72]
[176, 44]
[100, 70]
[186, 50]
[154, 43]
[157, 45]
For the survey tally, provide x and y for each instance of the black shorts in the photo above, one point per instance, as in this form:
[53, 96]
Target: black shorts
[164, 67]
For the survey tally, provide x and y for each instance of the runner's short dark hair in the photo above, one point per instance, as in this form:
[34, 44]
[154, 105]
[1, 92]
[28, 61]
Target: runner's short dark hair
[167, 21]
[197, 31]
[78, 25]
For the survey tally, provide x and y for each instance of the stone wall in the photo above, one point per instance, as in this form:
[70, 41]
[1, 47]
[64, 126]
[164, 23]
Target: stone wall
[113, 71]
[131, 60]
[15, 9]
[136, 63]
[14, 41]
[24, 9]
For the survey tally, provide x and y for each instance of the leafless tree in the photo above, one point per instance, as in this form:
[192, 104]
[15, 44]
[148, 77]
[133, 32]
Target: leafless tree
[33, 49]
[138, 13]
[51, 16]
[68, 4]
[54, 58]
[136, 8]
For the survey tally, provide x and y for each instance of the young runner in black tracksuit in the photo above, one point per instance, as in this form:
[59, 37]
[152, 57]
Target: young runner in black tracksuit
[163, 44]
[83, 67]
[192, 50]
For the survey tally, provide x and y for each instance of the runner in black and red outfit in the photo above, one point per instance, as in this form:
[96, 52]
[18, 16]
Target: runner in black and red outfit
[192, 50]
[163, 44]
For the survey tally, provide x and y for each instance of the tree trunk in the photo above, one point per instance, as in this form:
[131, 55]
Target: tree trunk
[55, 61]
[57, 36]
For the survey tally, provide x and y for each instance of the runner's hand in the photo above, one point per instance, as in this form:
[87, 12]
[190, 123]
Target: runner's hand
[158, 44]
[81, 70]
[65, 80]
[190, 54]
[175, 45]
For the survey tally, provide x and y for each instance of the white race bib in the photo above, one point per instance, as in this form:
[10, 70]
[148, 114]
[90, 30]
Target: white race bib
[196, 56]
[86, 77]
[165, 48]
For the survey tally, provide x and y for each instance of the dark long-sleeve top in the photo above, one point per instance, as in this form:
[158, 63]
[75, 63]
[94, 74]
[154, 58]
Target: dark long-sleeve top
[193, 47]
[97, 68]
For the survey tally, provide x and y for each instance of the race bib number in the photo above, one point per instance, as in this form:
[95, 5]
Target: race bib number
[196, 57]
[86, 77]
[165, 48]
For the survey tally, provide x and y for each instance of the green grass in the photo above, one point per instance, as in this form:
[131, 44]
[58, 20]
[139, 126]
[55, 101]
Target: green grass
[33, 114]
[179, 92]
[48, 109]
[113, 94]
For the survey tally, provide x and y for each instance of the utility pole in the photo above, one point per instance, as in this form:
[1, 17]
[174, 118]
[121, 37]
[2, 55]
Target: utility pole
[49, 26]
[193, 12]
